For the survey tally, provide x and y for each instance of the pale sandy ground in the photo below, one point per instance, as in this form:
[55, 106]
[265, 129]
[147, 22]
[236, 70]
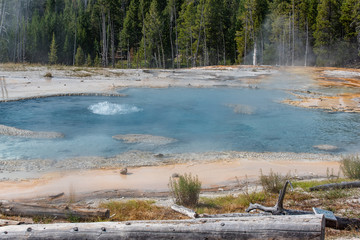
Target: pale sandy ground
[155, 178]
[20, 81]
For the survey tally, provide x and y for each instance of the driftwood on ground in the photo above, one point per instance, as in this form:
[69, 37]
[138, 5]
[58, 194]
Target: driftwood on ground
[6, 222]
[265, 227]
[341, 185]
[26, 210]
[278, 209]
[185, 211]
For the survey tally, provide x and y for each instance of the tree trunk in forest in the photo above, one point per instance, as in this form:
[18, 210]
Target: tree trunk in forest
[104, 38]
[289, 46]
[112, 36]
[199, 35]
[206, 54]
[162, 50]
[191, 51]
[307, 43]
[144, 34]
[255, 52]
[224, 46]
[3, 13]
[74, 52]
[176, 40]
[293, 33]
[245, 49]
[269, 227]
[171, 40]
[128, 54]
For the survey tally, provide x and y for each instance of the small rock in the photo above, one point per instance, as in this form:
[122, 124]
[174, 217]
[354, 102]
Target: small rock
[123, 171]
[175, 175]
[160, 155]
[326, 147]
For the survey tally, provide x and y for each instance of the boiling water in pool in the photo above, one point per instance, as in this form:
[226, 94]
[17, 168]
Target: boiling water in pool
[202, 120]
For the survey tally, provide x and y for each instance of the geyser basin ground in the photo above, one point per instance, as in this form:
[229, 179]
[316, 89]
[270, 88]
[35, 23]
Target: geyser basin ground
[199, 119]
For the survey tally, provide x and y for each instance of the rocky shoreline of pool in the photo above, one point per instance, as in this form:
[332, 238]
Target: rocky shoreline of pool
[36, 167]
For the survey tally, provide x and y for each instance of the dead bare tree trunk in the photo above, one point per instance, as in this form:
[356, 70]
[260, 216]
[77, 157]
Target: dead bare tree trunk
[171, 15]
[199, 35]
[2, 23]
[74, 51]
[255, 52]
[278, 209]
[176, 40]
[112, 36]
[341, 185]
[307, 43]
[293, 33]
[104, 38]
[143, 32]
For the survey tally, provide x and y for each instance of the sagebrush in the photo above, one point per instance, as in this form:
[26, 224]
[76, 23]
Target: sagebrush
[350, 166]
[185, 189]
[273, 182]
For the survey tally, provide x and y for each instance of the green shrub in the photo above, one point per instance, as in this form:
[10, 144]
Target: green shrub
[273, 182]
[350, 165]
[185, 189]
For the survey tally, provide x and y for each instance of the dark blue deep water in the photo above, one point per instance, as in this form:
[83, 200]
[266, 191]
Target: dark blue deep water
[202, 120]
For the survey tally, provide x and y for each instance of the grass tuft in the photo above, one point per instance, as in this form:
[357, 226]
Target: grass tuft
[231, 204]
[185, 190]
[273, 182]
[350, 165]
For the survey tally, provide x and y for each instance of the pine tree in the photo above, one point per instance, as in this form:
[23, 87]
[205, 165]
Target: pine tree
[153, 29]
[88, 61]
[79, 57]
[327, 32]
[53, 51]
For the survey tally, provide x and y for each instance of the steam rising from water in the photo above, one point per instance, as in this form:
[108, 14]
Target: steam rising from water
[107, 108]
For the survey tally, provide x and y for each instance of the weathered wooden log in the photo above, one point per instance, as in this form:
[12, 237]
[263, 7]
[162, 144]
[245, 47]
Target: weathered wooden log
[341, 185]
[266, 227]
[27, 210]
[6, 222]
[278, 209]
[52, 197]
[185, 211]
[232, 215]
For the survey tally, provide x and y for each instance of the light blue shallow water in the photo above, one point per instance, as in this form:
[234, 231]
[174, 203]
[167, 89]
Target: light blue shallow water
[200, 119]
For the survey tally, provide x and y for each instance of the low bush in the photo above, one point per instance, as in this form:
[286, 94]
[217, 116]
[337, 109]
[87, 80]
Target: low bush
[350, 165]
[48, 75]
[185, 189]
[273, 182]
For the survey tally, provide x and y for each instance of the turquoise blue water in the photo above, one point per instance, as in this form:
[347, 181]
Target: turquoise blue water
[201, 120]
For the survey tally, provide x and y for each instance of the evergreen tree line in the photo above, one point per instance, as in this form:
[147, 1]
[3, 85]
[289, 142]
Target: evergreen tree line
[180, 33]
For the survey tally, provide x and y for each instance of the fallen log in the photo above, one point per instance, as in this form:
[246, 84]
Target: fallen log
[6, 222]
[192, 214]
[341, 185]
[265, 227]
[184, 210]
[27, 210]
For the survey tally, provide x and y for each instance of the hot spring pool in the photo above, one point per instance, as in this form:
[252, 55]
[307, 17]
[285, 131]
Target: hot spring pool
[201, 120]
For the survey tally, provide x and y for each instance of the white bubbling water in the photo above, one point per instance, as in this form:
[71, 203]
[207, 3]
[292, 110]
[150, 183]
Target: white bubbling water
[107, 108]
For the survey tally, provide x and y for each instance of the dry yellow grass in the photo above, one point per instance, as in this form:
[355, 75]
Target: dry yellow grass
[139, 210]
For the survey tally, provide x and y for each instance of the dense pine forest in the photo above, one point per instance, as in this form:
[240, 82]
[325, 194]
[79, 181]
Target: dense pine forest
[180, 33]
